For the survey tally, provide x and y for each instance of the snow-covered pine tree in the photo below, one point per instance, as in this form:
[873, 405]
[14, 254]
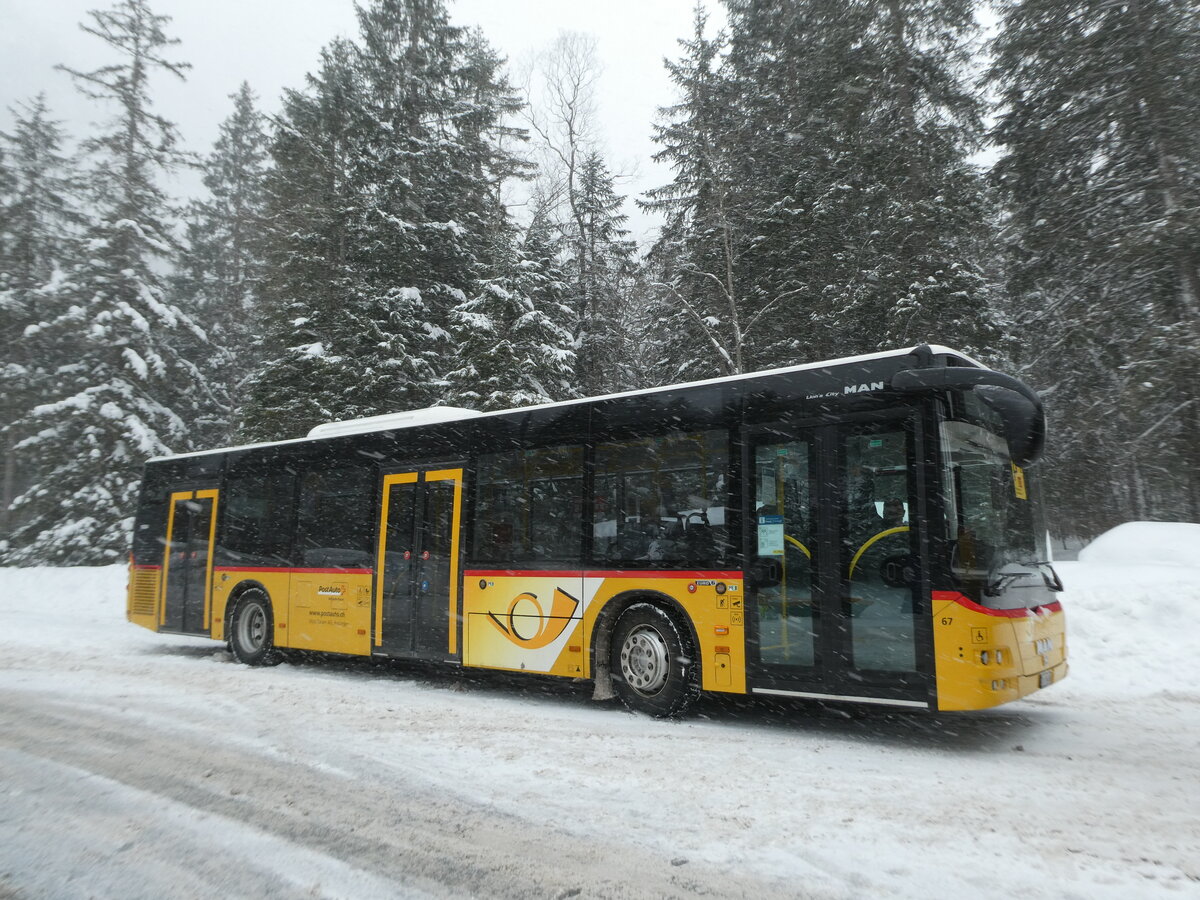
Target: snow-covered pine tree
[38, 222]
[1100, 125]
[221, 267]
[638, 322]
[783, 78]
[926, 125]
[306, 290]
[857, 207]
[126, 388]
[513, 339]
[413, 225]
[544, 281]
[693, 267]
[602, 265]
[8, 186]
[382, 218]
[432, 159]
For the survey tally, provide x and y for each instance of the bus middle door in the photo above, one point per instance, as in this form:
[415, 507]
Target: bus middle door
[418, 570]
[787, 620]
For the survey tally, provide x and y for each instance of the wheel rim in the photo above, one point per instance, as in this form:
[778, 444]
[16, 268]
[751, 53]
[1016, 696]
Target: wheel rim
[645, 660]
[252, 627]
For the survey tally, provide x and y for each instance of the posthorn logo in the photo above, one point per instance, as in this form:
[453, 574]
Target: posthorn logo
[529, 625]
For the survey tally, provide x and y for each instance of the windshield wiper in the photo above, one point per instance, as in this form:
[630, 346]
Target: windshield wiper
[1000, 583]
[1056, 584]
[997, 586]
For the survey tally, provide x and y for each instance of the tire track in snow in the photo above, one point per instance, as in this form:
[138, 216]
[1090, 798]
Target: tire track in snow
[173, 813]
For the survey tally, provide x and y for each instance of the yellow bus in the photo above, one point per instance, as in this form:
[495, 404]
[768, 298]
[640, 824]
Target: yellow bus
[861, 530]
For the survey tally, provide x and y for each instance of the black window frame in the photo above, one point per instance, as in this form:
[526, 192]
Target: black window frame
[726, 548]
[265, 468]
[473, 535]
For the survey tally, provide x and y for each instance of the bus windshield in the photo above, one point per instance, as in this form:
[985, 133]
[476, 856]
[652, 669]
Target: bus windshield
[991, 522]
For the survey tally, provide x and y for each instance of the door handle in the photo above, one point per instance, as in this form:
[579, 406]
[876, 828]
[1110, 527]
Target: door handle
[764, 572]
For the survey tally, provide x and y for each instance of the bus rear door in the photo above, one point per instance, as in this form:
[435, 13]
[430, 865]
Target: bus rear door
[187, 561]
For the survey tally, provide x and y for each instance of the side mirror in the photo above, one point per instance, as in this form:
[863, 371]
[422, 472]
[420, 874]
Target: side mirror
[1018, 406]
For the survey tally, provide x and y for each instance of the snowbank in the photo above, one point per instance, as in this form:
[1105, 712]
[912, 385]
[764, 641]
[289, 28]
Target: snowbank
[75, 606]
[1132, 630]
[1141, 543]
[1132, 601]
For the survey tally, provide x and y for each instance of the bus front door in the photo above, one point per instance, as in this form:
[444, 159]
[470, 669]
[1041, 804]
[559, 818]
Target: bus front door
[879, 569]
[187, 562]
[787, 618]
[836, 572]
[417, 570]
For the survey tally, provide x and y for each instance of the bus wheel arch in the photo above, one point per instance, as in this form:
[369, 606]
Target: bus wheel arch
[250, 626]
[231, 602]
[660, 634]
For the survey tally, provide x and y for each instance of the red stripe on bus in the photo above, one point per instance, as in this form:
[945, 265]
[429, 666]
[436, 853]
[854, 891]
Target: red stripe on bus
[289, 569]
[597, 573]
[524, 573]
[1019, 613]
[659, 573]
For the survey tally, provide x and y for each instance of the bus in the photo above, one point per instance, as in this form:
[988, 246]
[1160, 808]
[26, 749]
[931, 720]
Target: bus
[862, 530]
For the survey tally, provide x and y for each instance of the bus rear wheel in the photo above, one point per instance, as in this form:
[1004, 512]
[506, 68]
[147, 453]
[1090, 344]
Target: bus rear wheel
[251, 635]
[653, 664]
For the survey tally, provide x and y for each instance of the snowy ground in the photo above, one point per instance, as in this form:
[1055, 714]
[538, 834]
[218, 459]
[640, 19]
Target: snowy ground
[137, 765]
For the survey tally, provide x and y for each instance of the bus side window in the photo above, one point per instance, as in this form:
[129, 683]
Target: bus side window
[528, 505]
[334, 526]
[257, 521]
[150, 525]
[662, 499]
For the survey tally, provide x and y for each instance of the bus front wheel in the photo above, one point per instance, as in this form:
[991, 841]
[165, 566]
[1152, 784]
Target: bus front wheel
[251, 636]
[653, 663]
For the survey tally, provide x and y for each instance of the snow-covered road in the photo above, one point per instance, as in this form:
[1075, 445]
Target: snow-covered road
[138, 765]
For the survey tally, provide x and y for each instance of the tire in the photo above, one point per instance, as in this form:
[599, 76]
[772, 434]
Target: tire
[251, 630]
[654, 666]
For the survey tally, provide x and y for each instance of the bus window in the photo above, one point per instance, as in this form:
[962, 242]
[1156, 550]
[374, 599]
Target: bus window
[990, 521]
[257, 524]
[784, 524]
[877, 549]
[528, 505]
[150, 529]
[662, 499]
[335, 524]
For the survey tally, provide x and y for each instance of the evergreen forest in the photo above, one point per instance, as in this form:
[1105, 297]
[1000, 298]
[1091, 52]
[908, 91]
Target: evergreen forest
[847, 176]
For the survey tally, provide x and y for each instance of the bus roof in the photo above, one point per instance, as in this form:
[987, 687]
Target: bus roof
[440, 414]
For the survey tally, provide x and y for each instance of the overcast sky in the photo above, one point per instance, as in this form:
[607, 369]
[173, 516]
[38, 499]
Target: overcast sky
[273, 43]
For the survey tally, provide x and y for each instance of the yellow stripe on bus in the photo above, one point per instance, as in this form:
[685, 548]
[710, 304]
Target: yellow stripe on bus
[380, 569]
[454, 475]
[791, 540]
[867, 546]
